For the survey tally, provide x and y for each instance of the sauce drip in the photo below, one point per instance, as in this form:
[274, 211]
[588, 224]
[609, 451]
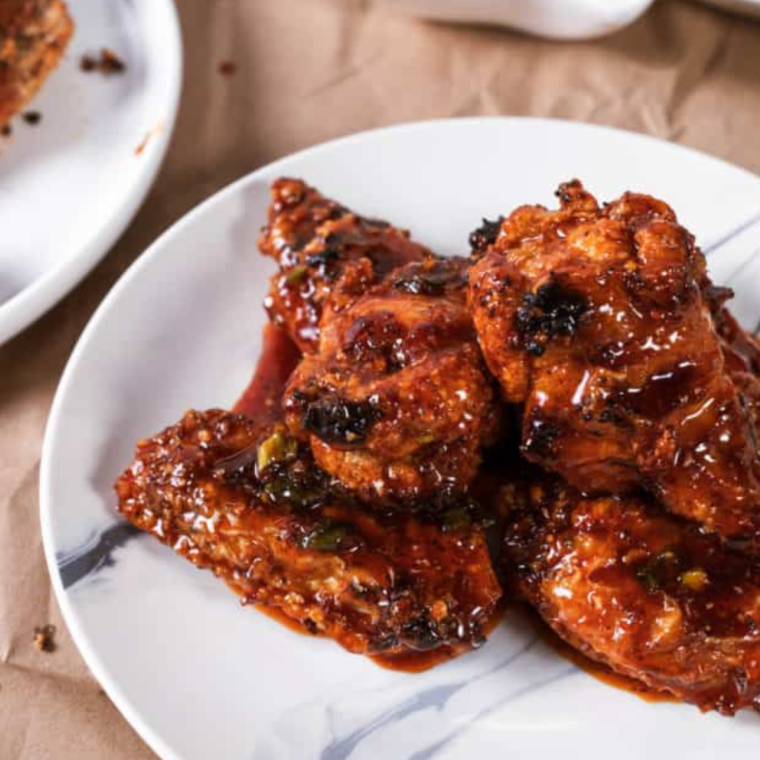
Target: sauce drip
[595, 669]
[415, 662]
[261, 400]
[408, 662]
[418, 662]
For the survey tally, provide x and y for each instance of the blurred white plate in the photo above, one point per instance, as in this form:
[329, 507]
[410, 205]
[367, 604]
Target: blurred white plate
[70, 185]
[202, 679]
[555, 19]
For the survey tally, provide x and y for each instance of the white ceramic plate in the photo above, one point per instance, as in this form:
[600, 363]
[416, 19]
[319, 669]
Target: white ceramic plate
[201, 678]
[70, 185]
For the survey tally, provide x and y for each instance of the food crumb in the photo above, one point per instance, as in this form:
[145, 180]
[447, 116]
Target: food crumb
[88, 63]
[32, 117]
[6, 130]
[44, 638]
[227, 68]
[140, 149]
[108, 63]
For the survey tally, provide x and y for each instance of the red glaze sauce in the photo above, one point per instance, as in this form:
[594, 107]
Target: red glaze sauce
[261, 401]
[410, 662]
[597, 669]
[418, 662]
[279, 356]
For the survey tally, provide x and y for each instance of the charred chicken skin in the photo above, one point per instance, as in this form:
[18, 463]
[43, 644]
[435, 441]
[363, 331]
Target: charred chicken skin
[396, 402]
[648, 594]
[313, 238]
[254, 509]
[33, 37]
[603, 324]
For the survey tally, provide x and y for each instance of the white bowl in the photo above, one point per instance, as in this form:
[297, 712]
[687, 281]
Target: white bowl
[556, 19]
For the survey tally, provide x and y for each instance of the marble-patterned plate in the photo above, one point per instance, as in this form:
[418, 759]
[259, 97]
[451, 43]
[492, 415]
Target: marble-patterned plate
[70, 185]
[199, 677]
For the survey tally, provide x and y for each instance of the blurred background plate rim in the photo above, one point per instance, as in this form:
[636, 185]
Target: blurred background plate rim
[46, 290]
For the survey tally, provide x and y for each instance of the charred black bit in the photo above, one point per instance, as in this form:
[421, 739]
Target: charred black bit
[608, 354]
[323, 261]
[421, 634]
[6, 130]
[612, 414]
[486, 234]
[32, 117]
[429, 279]
[311, 626]
[339, 421]
[540, 436]
[381, 338]
[294, 488]
[553, 310]
[287, 481]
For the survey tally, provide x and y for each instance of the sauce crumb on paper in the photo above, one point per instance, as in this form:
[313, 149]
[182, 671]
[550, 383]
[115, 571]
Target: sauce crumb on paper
[44, 638]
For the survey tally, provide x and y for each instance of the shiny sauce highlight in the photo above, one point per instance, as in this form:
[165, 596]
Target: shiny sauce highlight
[279, 356]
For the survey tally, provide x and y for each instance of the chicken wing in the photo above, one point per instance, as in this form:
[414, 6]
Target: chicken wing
[646, 593]
[33, 37]
[312, 239]
[262, 517]
[396, 402]
[603, 323]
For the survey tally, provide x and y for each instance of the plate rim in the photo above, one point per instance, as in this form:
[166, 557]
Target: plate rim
[26, 306]
[46, 497]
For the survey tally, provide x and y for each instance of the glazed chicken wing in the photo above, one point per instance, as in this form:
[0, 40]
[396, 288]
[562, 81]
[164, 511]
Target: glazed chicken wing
[33, 37]
[396, 402]
[603, 324]
[313, 239]
[643, 592]
[258, 513]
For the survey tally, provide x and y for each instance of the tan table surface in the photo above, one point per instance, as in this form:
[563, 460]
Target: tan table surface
[307, 71]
